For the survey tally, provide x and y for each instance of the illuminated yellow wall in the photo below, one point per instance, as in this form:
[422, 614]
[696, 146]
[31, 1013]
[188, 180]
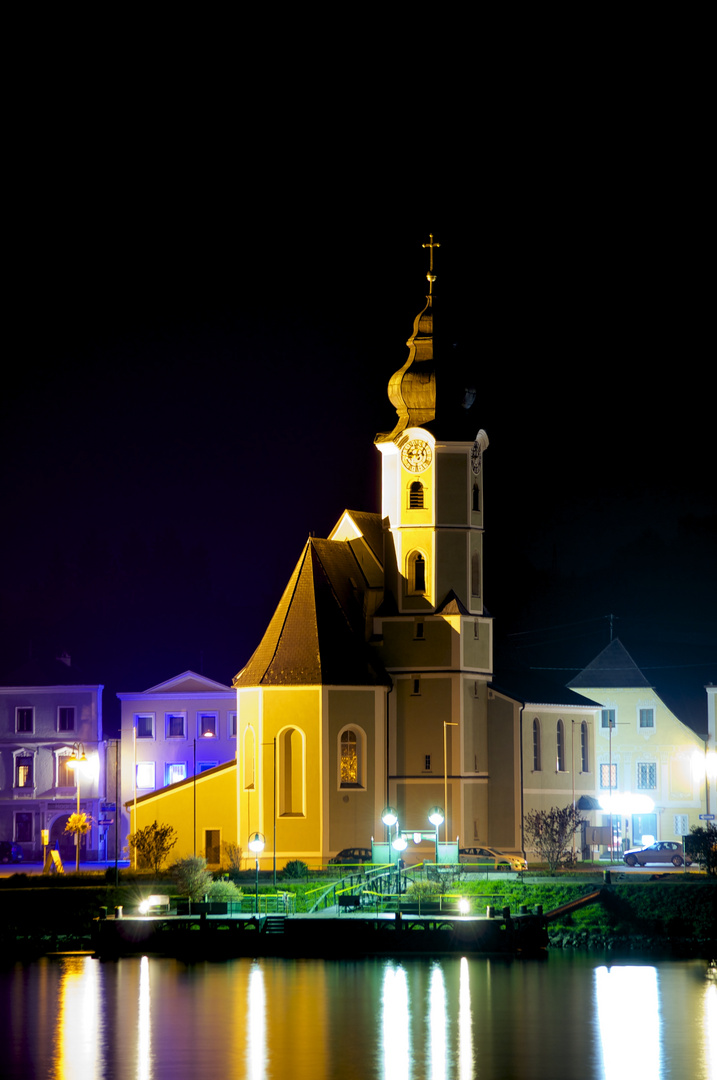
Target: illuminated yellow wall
[354, 814]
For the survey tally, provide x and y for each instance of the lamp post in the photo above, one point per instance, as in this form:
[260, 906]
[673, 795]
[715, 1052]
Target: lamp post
[77, 760]
[435, 816]
[256, 844]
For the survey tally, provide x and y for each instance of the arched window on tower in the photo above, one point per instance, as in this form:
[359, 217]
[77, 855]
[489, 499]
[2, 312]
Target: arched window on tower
[415, 496]
[560, 747]
[476, 499]
[584, 748]
[537, 755]
[291, 773]
[416, 572]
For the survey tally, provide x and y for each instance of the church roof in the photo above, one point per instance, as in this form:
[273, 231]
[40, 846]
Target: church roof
[316, 635]
[371, 527]
[538, 688]
[613, 667]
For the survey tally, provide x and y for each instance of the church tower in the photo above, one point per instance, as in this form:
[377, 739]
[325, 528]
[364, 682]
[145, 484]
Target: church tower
[449, 740]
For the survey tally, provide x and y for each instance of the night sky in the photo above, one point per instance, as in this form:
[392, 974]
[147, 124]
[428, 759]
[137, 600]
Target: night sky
[207, 304]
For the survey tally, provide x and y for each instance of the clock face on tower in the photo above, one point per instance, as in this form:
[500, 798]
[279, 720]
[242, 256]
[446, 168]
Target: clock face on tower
[416, 456]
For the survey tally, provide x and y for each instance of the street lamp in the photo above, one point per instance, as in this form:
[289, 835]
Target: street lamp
[77, 760]
[435, 816]
[256, 844]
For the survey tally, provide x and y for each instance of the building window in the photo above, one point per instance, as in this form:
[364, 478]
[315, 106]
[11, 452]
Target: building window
[207, 726]
[291, 773]
[65, 774]
[560, 747]
[351, 758]
[647, 718]
[175, 725]
[416, 572]
[608, 777]
[174, 771]
[249, 759]
[427, 763]
[607, 718]
[475, 573]
[23, 828]
[476, 630]
[205, 766]
[145, 774]
[537, 754]
[66, 718]
[415, 496]
[416, 688]
[475, 505]
[584, 748]
[232, 724]
[24, 771]
[144, 722]
[24, 719]
[646, 775]
[476, 688]
[212, 846]
[419, 629]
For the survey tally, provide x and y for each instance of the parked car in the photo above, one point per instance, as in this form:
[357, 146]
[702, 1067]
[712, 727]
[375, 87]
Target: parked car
[10, 852]
[484, 857]
[664, 851]
[351, 855]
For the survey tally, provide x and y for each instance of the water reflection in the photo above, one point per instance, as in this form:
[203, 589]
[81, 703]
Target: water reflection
[74, 1018]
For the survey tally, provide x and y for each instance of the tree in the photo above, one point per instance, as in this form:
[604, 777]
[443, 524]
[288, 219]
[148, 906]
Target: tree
[153, 844]
[550, 833]
[702, 846]
[192, 877]
[78, 825]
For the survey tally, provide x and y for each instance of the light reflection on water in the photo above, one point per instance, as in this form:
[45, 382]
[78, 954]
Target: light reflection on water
[74, 1018]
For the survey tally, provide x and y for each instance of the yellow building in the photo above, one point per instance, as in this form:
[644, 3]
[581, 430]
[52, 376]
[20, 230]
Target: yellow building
[644, 750]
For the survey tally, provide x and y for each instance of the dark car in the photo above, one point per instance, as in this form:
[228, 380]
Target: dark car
[351, 855]
[10, 852]
[664, 851]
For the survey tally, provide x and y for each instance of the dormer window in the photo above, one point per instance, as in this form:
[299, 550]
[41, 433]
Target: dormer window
[415, 496]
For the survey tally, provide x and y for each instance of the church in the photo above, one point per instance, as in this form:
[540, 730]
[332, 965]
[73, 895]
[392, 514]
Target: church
[371, 686]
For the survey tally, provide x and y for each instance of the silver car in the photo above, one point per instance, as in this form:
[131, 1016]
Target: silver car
[663, 851]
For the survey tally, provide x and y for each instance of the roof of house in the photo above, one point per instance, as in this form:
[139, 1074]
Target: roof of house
[613, 667]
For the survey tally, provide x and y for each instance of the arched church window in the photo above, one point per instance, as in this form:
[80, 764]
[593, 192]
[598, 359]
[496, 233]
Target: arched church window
[416, 572]
[560, 746]
[537, 756]
[351, 758]
[415, 496]
[584, 748]
[291, 773]
[249, 768]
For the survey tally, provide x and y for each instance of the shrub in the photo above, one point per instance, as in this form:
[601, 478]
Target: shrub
[232, 855]
[153, 844]
[224, 890]
[425, 890]
[191, 877]
[295, 868]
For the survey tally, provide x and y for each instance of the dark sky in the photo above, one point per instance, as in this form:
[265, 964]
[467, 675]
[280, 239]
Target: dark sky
[210, 292]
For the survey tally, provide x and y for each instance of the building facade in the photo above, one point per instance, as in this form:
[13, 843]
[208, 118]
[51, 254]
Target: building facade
[42, 730]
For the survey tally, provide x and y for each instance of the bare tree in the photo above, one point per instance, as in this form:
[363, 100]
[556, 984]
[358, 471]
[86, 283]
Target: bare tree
[550, 833]
[153, 844]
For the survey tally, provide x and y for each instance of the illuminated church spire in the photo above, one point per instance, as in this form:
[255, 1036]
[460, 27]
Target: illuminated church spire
[412, 389]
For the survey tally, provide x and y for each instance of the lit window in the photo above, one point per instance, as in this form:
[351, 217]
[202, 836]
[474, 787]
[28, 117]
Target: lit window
[608, 776]
[66, 718]
[145, 774]
[175, 726]
[207, 726]
[608, 718]
[24, 719]
[23, 771]
[415, 496]
[646, 775]
[584, 748]
[174, 771]
[65, 774]
[537, 756]
[351, 755]
[560, 747]
[647, 718]
[145, 726]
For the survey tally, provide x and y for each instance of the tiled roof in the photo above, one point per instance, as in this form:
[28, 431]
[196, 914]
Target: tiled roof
[316, 635]
[613, 667]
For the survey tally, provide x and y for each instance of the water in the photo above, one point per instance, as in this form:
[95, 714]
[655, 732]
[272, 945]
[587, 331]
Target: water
[571, 1016]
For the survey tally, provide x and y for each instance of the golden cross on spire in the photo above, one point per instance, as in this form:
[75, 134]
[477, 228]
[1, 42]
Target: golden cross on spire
[430, 275]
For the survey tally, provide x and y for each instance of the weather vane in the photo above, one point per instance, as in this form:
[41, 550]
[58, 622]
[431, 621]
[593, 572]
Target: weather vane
[430, 275]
